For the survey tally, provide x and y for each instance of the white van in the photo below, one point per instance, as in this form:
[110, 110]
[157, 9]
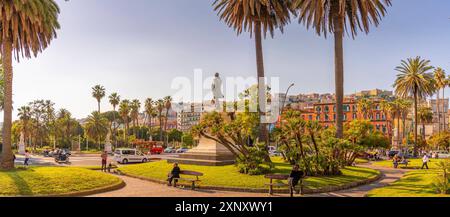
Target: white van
[124, 156]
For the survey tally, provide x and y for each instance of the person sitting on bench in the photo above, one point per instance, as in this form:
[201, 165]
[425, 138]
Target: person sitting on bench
[174, 174]
[295, 176]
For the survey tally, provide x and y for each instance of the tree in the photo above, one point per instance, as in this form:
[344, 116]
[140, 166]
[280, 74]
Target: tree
[167, 106]
[114, 100]
[124, 111]
[257, 17]
[96, 126]
[149, 112]
[425, 115]
[25, 117]
[440, 82]
[365, 107]
[135, 108]
[414, 80]
[27, 28]
[335, 16]
[98, 92]
[160, 107]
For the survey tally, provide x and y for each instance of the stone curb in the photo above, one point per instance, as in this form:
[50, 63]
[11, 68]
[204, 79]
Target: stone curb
[264, 190]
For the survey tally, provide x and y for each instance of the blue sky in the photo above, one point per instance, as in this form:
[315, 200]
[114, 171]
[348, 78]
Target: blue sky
[137, 47]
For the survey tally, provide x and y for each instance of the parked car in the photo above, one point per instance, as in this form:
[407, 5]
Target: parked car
[169, 150]
[182, 150]
[156, 149]
[124, 156]
[443, 154]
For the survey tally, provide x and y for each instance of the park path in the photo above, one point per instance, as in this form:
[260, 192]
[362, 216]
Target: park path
[388, 176]
[141, 188]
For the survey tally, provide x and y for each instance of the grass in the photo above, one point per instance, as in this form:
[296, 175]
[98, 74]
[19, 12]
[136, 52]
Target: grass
[40, 181]
[413, 164]
[361, 161]
[228, 176]
[414, 184]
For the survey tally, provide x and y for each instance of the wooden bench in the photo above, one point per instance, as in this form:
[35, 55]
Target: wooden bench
[405, 162]
[192, 180]
[283, 177]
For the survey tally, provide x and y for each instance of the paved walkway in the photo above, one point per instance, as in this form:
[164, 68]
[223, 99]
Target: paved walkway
[389, 175]
[141, 188]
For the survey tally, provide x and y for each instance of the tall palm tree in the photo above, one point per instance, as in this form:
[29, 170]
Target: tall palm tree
[335, 16]
[167, 106]
[114, 100]
[160, 105]
[365, 107]
[25, 117]
[425, 115]
[135, 108]
[98, 92]
[124, 111]
[257, 17]
[414, 80]
[405, 109]
[440, 82]
[96, 126]
[149, 112]
[26, 29]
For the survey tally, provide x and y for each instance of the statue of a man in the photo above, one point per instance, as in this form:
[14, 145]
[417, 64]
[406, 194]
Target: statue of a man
[217, 90]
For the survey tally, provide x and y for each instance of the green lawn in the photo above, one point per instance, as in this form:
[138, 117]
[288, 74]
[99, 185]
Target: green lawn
[52, 181]
[361, 161]
[413, 184]
[413, 163]
[228, 176]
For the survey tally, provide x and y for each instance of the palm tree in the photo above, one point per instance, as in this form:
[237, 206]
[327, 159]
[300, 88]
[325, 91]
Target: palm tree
[124, 111]
[96, 126]
[98, 92]
[257, 17]
[26, 29]
[150, 112]
[335, 16]
[167, 106]
[414, 80]
[25, 116]
[441, 83]
[135, 107]
[365, 107]
[388, 111]
[114, 100]
[160, 105]
[425, 115]
[405, 109]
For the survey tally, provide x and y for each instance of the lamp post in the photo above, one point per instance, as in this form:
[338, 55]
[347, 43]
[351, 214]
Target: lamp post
[284, 101]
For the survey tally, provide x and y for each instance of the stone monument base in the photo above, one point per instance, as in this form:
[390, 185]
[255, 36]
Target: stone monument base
[207, 153]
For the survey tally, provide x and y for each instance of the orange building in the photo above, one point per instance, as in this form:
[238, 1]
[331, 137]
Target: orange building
[325, 114]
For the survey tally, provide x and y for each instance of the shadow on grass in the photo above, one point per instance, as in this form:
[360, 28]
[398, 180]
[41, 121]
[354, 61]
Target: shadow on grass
[22, 186]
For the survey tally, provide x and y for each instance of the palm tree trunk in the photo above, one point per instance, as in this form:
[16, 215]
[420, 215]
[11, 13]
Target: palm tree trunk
[399, 141]
[165, 127]
[444, 110]
[415, 121]
[98, 104]
[339, 73]
[438, 111]
[7, 155]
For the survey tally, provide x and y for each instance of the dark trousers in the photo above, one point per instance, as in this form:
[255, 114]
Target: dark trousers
[26, 161]
[425, 164]
[173, 179]
[104, 168]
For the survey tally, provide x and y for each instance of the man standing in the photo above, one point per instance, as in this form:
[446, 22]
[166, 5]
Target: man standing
[104, 161]
[27, 158]
[425, 160]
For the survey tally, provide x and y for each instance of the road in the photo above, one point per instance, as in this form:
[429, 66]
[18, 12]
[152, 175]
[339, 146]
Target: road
[75, 160]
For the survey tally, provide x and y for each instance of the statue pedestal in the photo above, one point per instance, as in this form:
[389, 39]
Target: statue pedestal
[207, 153]
[21, 148]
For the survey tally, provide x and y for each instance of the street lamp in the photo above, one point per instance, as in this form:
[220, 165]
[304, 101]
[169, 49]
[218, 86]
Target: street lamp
[286, 95]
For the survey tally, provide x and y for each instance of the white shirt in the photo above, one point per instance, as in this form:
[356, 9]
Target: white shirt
[425, 159]
[217, 88]
[27, 155]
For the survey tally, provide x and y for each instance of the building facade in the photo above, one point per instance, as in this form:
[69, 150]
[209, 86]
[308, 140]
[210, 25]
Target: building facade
[187, 119]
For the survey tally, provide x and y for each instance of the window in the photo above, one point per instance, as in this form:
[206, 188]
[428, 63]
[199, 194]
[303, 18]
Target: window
[310, 117]
[355, 116]
[327, 118]
[318, 109]
[318, 118]
[345, 117]
[378, 116]
[327, 109]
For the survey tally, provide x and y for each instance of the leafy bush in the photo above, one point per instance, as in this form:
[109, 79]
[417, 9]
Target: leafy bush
[252, 163]
[441, 183]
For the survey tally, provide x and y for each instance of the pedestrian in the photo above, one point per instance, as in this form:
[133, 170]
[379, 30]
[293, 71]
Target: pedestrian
[425, 161]
[294, 178]
[104, 161]
[174, 175]
[27, 158]
[395, 160]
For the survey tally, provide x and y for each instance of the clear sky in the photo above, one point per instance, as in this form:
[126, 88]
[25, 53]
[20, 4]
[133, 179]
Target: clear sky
[137, 47]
